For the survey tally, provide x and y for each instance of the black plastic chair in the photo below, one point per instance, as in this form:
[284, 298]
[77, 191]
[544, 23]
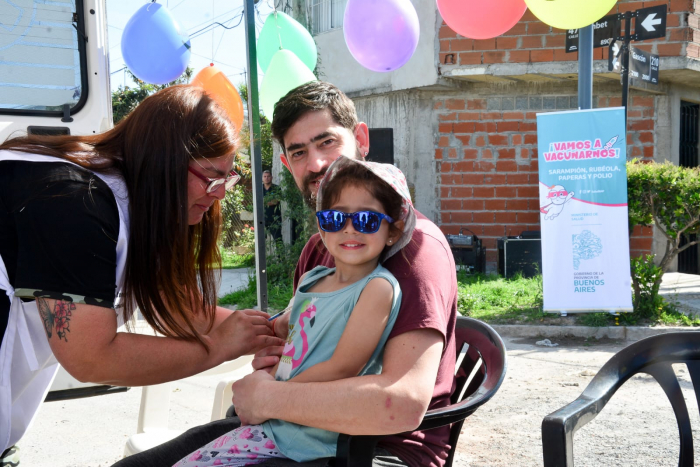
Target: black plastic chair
[478, 377]
[653, 356]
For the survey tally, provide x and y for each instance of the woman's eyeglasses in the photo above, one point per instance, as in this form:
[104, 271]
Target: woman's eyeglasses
[365, 222]
[213, 183]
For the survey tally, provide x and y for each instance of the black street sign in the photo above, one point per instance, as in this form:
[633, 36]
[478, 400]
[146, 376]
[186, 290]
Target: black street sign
[650, 23]
[603, 30]
[644, 66]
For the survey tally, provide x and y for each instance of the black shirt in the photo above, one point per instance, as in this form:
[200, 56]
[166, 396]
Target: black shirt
[272, 213]
[59, 226]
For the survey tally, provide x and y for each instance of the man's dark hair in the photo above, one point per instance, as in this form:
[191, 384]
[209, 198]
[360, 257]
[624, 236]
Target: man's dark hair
[313, 96]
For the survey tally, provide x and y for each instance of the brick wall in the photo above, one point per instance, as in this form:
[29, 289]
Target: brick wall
[641, 241]
[693, 49]
[533, 41]
[486, 155]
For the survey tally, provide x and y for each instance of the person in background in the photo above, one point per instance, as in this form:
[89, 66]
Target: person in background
[271, 198]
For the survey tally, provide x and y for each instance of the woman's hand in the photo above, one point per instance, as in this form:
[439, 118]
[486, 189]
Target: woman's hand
[266, 359]
[244, 332]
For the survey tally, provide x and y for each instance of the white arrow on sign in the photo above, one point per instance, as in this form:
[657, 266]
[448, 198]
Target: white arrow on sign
[616, 49]
[651, 21]
[616, 64]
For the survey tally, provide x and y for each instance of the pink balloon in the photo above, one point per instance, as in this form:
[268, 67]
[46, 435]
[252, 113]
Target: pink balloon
[481, 19]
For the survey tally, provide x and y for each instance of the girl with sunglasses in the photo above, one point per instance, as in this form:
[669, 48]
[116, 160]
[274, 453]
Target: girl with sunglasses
[92, 227]
[341, 317]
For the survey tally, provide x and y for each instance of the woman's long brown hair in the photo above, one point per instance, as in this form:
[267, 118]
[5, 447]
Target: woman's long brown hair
[169, 272]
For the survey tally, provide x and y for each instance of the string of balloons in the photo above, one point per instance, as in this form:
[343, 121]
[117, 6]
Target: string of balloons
[381, 35]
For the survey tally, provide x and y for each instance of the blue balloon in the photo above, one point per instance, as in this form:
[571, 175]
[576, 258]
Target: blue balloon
[154, 46]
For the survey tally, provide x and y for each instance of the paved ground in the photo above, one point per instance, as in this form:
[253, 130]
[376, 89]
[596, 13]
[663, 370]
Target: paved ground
[683, 289]
[234, 279]
[506, 432]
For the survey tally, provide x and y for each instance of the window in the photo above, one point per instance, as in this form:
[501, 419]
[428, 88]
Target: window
[326, 15]
[381, 145]
[688, 152]
[42, 57]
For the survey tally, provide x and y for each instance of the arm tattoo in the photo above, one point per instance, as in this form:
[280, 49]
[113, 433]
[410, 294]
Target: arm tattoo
[58, 318]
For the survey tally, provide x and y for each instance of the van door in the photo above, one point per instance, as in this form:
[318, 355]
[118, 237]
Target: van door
[54, 79]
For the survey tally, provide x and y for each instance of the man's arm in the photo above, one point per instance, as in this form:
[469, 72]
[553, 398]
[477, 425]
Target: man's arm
[392, 402]
[85, 340]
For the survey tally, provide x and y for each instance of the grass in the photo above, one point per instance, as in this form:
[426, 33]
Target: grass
[492, 299]
[278, 296]
[677, 318]
[232, 260]
[496, 300]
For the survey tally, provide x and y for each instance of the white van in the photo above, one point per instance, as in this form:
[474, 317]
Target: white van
[54, 79]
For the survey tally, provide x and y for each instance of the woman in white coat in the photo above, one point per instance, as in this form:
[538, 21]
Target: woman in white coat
[93, 227]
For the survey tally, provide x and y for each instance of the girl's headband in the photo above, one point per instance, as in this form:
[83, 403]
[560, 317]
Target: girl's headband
[392, 176]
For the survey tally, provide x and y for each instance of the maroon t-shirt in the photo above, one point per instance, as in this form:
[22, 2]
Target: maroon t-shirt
[426, 273]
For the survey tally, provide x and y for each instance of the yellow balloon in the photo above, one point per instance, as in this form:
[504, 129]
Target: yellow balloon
[570, 14]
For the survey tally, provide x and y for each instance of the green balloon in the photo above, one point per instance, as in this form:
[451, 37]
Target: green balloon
[285, 73]
[283, 32]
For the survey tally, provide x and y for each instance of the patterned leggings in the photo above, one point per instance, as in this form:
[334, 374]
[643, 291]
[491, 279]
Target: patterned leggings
[246, 445]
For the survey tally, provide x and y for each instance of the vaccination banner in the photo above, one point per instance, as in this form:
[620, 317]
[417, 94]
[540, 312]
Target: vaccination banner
[583, 211]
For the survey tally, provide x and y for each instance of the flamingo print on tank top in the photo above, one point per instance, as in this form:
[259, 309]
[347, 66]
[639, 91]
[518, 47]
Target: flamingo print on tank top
[287, 361]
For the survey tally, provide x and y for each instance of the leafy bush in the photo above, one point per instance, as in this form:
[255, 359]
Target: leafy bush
[667, 196]
[245, 237]
[646, 279]
[126, 98]
[283, 258]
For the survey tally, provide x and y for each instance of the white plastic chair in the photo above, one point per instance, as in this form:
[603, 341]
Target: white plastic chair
[152, 429]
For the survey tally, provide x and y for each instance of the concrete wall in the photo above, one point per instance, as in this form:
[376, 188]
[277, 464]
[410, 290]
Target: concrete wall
[469, 146]
[668, 141]
[410, 114]
[340, 68]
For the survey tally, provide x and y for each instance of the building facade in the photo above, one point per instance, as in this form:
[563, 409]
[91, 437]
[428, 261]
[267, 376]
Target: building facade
[462, 111]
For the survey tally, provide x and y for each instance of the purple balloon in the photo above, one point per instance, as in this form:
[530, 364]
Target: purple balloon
[381, 34]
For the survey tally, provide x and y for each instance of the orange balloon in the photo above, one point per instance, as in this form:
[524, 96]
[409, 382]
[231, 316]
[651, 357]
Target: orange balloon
[223, 91]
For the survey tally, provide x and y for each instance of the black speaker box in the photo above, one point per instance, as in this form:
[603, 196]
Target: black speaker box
[468, 252]
[517, 254]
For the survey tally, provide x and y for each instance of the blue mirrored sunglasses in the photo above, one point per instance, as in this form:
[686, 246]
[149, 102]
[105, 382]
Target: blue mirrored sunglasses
[366, 222]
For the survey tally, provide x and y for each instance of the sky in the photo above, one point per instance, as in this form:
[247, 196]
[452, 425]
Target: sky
[223, 47]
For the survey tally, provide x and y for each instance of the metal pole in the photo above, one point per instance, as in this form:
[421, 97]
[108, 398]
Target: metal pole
[256, 154]
[626, 62]
[585, 67]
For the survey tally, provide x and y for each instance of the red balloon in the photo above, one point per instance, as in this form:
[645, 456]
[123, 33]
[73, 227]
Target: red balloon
[481, 19]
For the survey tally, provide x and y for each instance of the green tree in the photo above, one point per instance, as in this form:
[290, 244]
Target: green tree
[126, 98]
[667, 196]
[265, 132]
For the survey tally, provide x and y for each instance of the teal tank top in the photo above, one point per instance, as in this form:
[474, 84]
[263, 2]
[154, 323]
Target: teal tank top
[315, 326]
